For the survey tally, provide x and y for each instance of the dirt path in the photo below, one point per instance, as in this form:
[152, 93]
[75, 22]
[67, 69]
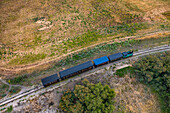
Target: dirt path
[3, 81]
[18, 69]
[10, 86]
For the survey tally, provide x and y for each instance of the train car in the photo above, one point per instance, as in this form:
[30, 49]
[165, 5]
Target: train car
[115, 57]
[101, 61]
[76, 70]
[50, 80]
[127, 54]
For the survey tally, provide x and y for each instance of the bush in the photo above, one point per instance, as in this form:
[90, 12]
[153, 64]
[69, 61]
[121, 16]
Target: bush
[35, 19]
[88, 97]
[18, 79]
[9, 109]
[122, 72]
[14, 90]
[154, 71]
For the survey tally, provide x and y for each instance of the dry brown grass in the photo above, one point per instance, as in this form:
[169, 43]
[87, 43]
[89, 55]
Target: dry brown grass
[158, 35]
[133, 96]
[19, 34]
[145, 5]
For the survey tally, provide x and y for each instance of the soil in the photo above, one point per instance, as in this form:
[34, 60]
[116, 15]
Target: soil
[156, 14]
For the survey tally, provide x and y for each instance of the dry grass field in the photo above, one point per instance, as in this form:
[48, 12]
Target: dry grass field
[35, 30]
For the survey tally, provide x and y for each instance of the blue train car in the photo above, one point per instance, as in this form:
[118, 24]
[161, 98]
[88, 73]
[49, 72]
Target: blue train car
[101, 61]
[115, 57]
[76, 70]
[50, 80]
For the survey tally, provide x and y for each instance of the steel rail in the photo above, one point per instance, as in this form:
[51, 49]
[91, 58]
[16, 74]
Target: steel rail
[25, 93]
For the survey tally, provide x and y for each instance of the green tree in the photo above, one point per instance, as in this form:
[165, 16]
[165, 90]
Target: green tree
[88, 97]
[154, 70]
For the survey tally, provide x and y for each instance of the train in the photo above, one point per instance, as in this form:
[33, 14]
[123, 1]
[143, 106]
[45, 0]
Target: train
[89, 65]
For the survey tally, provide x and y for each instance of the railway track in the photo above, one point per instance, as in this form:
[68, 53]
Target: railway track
[37, 88]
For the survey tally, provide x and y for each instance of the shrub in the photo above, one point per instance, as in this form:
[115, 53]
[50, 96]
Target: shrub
[88, 97]
[122, 72]
[2, 109]
[14, 90]
[35, 19]
[9, 109]
[18, 79]
[3, 95]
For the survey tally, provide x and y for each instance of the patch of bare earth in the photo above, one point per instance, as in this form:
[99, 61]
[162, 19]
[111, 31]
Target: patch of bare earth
[156, 14]
[133, 96]
[45, 24]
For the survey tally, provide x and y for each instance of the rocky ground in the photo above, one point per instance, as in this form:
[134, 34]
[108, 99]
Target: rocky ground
[131, 96]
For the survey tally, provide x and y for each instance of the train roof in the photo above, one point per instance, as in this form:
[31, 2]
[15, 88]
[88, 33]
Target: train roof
[100, 60]
[75, 69]
[50, 79]
[115, 56]
[125, 53]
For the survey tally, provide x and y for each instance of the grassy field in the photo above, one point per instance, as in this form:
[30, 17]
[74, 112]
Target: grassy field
[86, 55]
[31, 30]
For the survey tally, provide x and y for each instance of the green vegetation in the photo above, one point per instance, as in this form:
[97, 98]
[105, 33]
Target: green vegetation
[29, 58]
[2, 109]
[167, 15]
[154, 71]
[127, 29]
[21, 79]
[17, 80]
[100, 49]
[107, 49]
[9, 109]
[3, 89]
[88, 54]
[122, 72]
[37, 18]
[93, 36]
[14, 90]
[82, 40]
[88, 97]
